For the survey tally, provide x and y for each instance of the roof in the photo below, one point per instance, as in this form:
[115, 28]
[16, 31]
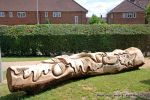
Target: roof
[128, 6]
[44, 5]
[142, 3]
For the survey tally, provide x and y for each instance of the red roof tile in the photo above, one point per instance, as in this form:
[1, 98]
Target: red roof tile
[142, 3]
[44, 5]
[127, 6]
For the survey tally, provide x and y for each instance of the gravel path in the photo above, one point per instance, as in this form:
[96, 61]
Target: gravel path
[147, 63]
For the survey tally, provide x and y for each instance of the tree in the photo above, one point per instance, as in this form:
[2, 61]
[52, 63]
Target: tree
[96, 20]
[148, 13]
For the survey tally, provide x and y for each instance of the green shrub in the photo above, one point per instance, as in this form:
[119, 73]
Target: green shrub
[148, 13]
[27, 40]
[96, 20]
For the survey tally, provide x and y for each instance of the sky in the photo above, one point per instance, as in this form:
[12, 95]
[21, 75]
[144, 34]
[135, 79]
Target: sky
[98, 7]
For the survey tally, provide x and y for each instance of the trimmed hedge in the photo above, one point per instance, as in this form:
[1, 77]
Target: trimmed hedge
[32, 40]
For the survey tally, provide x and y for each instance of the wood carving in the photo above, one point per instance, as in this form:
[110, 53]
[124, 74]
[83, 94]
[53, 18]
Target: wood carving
[61, 68]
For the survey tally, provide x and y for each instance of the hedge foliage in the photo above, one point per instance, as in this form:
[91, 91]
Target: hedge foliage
[31, 40]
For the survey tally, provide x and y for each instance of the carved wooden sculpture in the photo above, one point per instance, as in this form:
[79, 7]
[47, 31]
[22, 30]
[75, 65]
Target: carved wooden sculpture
[60, 68]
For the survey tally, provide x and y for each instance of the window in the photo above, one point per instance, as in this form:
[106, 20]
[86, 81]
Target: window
[129, 15]
[21, 14]
[2, 14]
[10, 14]
[46, 14]
[56, 14]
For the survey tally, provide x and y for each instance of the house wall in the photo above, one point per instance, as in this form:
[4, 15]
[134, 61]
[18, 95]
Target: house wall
[31, 18]
[66, 18]
[118, 18]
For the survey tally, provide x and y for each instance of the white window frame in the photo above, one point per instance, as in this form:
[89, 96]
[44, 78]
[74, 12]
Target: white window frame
[56, 14]
[46, 13]
[76, 19]
[2, 14]
[129, 15]
[21, 14]
[134, 15]
[10, 14]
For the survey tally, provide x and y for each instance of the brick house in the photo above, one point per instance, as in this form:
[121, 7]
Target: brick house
[128, 12]
[16, 12]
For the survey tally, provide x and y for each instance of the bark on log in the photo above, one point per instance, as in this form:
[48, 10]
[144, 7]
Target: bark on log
[60, 68]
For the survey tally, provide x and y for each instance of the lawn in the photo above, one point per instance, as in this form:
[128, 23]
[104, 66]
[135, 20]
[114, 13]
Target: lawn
[93, 88]
[14, 59]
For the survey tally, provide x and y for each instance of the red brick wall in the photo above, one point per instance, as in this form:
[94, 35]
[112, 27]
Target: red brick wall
[66, 18]
[118, 18]
[30, 19]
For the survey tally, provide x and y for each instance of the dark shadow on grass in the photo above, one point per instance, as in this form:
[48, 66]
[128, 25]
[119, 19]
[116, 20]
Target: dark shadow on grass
[146, 81]
[14, 96]
[23, 95]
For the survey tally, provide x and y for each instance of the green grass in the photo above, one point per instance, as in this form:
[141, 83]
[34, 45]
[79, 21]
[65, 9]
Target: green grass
[14, 59]
[89, 88]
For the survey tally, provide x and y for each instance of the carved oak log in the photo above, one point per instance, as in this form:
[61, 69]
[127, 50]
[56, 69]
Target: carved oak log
[60, 68]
